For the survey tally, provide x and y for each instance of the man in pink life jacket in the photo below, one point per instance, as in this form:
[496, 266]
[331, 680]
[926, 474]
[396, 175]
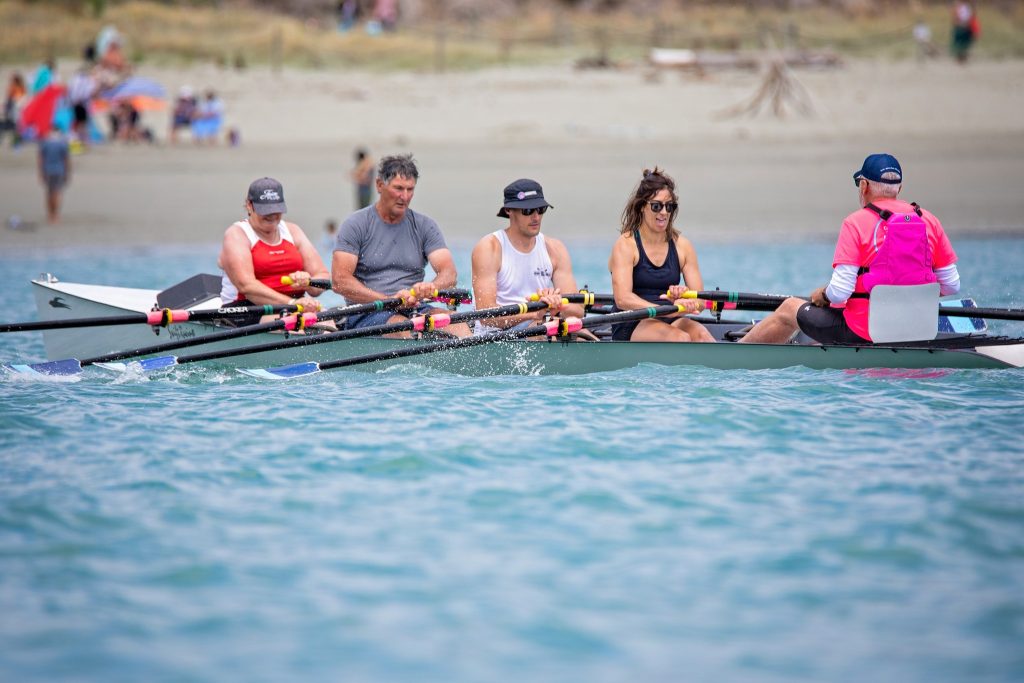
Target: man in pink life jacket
[886, 241]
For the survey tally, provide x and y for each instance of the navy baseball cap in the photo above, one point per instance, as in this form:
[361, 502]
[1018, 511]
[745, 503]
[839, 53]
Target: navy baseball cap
[523, 194]
[877, 164]
[267, 196]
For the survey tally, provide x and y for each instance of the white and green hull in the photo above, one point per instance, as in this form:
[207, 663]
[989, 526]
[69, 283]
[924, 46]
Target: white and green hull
[512, 357]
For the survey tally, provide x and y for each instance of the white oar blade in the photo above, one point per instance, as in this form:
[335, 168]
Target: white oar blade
[68, 366]
[283, 372]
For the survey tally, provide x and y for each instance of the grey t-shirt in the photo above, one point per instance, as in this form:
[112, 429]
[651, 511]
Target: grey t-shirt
[391, 256]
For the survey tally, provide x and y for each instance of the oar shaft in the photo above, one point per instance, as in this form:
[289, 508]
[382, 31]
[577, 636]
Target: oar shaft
[989, 313]
[239, 332]
[161, 317]
[507, 335]
[371, 331]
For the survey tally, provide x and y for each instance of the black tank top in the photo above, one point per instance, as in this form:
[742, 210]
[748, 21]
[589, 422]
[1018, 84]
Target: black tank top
[651, 281]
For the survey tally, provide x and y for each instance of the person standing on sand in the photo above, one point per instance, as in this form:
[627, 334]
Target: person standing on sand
[516, 262]
[382, 251]
[362, 176]
[838, 312]
[965, 29]
[54, 170]
[648, 260]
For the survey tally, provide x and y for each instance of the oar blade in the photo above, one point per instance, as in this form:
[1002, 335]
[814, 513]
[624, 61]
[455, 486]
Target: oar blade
[67, 366]
[145, 364]
[282, 372]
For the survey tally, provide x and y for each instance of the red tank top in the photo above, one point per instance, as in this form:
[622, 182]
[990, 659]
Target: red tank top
[270, 262]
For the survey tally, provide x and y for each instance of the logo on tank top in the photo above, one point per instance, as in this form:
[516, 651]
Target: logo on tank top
[542, 272]
[276, 252]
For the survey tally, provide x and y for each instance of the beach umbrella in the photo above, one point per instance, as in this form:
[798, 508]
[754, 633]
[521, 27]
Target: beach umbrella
[144, 93]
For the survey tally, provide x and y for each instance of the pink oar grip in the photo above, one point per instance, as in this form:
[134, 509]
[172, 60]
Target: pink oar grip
[573, 325]
[418, 322]
[290, 322]
[157, 317]
[440, 320]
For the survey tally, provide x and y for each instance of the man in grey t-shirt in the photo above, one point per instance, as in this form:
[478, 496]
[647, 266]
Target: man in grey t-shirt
[381, 251]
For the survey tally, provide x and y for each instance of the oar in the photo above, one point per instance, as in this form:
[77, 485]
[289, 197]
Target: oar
[73, 366]
[551, 328]
[421, 323]
[163, 318]
[319, 284]
[769, 302]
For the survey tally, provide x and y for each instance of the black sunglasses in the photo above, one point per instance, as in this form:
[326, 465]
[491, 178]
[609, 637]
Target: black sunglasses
[656, 207]
[529, 212]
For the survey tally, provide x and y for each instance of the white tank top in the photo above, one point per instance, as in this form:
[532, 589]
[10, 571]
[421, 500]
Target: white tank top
[520, 274]
[228, 291]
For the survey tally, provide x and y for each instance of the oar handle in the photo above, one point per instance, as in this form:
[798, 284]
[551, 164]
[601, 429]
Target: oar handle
[319, 284]
[584, 297]
[452, 295]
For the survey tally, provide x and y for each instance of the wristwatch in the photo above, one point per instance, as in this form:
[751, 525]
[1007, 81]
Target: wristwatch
[825, 296]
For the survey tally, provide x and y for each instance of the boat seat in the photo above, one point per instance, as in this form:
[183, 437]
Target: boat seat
[191, 292]
[903, 313]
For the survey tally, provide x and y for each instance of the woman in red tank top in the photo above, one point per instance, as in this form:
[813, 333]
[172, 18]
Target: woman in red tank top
[258, 251]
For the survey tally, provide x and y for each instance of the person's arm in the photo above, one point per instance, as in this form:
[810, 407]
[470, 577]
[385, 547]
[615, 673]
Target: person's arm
[562, 276]
[445, 274]
[344, 282]
[623, 259]
[312, 265]
[692, 279]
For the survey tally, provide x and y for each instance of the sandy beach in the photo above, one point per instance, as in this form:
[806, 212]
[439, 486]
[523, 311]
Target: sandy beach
[585, 135]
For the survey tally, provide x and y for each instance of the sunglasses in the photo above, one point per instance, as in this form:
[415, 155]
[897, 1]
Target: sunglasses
[529, 212]
[656, 207]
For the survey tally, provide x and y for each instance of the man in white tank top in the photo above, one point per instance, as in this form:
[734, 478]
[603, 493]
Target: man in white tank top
[511, 264]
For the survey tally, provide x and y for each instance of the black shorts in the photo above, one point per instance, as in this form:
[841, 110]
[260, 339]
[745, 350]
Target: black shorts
[81, 113]
[827, 325]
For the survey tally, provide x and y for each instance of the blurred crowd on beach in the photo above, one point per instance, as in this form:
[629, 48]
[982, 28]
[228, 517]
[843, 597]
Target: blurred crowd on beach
[103, 100]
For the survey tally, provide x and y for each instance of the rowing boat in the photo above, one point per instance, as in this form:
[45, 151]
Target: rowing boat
[57, 300]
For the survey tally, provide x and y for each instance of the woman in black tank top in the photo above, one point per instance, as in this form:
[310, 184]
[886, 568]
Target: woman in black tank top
[647, 261]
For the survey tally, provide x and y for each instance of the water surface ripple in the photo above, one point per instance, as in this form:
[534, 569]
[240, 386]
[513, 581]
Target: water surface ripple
[654, 524]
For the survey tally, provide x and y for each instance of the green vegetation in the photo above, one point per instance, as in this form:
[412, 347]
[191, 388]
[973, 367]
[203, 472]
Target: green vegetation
[183, 33]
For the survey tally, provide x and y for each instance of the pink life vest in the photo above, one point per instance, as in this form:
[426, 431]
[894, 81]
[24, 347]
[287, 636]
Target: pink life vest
[905, 255]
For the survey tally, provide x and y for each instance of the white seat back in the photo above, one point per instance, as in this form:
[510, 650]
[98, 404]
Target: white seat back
[902, 313]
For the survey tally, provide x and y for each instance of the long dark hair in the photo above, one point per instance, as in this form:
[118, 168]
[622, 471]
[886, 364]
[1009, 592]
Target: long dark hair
[651, 184]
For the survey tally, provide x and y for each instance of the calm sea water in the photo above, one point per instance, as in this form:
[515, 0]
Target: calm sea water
[654, 524]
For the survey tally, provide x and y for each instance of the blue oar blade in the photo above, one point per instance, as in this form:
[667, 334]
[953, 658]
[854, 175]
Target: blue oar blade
[283, 372]
[68, 366]
[958, 324]
[145, 365]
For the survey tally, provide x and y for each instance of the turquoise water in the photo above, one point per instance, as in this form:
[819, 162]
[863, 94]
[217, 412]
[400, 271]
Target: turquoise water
[654, 524]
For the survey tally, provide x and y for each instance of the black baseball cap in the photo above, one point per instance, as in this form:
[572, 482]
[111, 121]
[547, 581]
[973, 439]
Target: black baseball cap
[523, 194]
[267, 196]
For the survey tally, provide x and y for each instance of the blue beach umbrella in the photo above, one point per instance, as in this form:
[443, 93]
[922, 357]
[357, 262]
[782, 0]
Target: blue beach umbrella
[135, 86]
